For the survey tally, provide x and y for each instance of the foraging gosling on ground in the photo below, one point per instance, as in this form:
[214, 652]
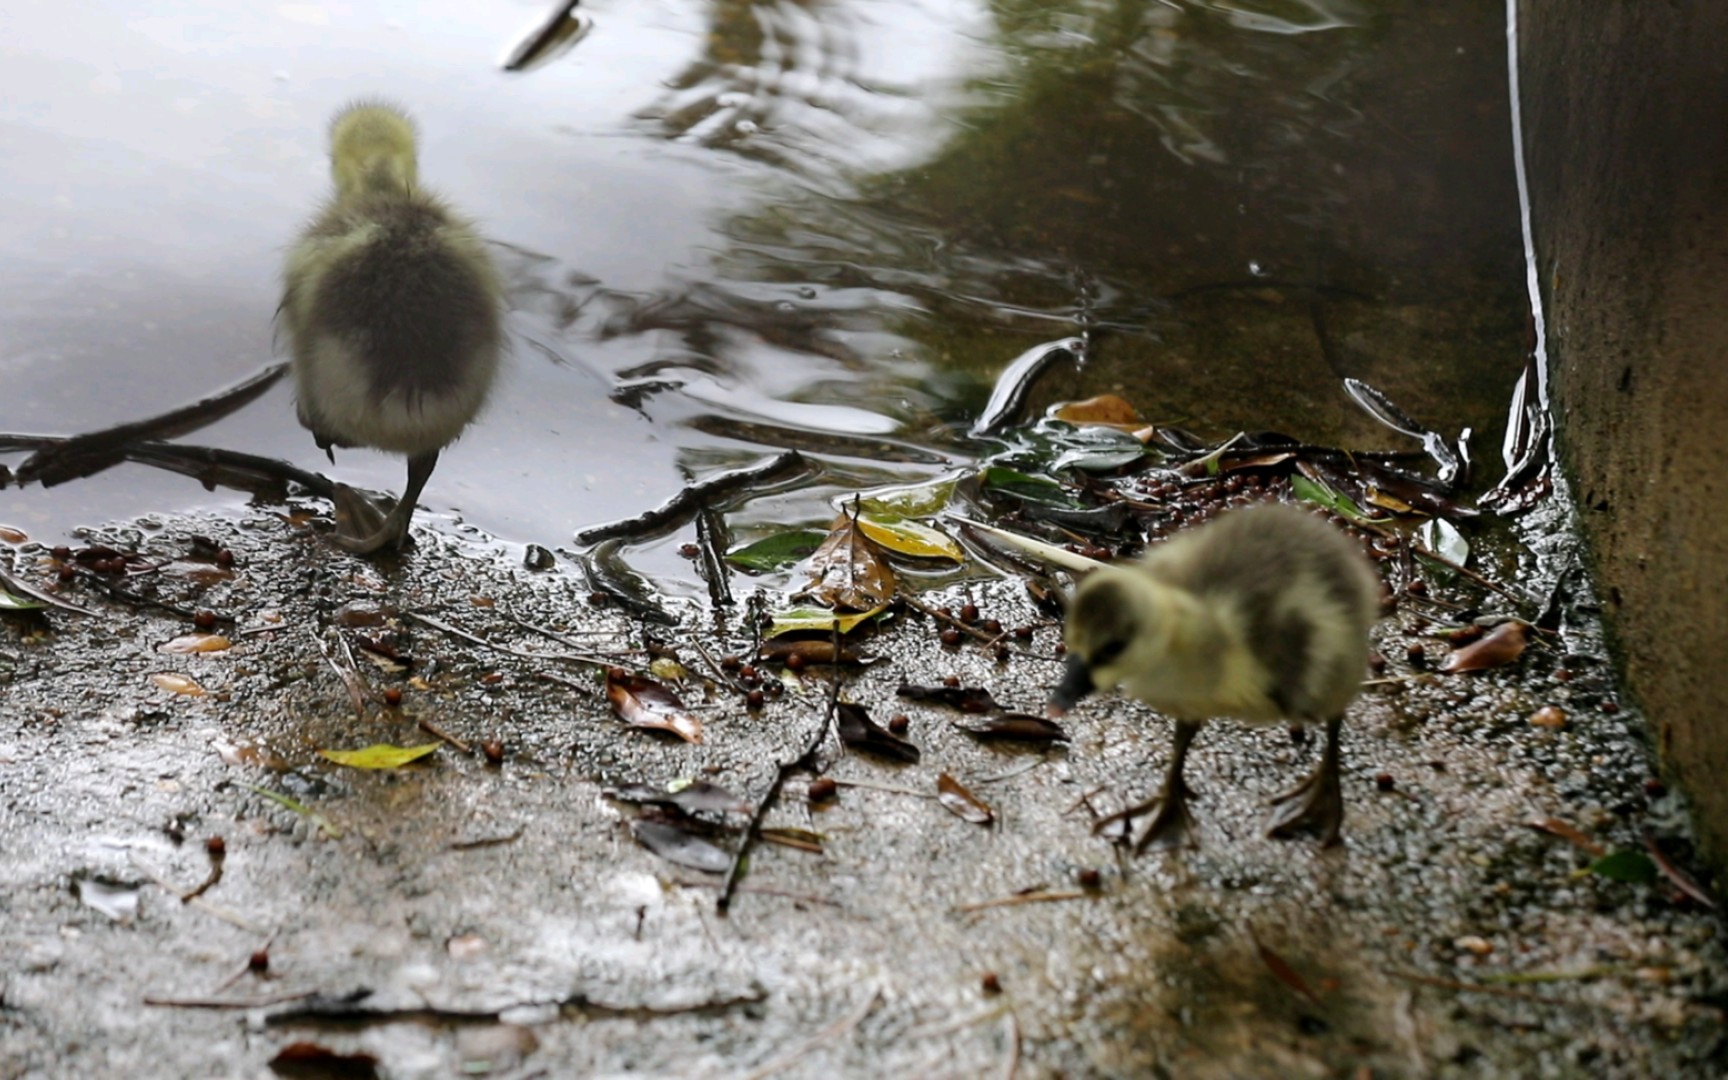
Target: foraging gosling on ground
[393, 310]
[1262, 615]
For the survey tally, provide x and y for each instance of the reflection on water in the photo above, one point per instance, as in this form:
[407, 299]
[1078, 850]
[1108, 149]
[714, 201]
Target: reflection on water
[730, 226]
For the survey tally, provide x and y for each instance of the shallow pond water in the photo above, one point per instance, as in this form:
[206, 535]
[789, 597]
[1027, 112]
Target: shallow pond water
[825, 224]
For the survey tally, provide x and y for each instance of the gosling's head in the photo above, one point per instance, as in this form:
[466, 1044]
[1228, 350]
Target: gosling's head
[372, 150]
[1118, 626]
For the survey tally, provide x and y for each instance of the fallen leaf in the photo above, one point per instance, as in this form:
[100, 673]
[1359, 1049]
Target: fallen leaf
[551, 39]
[972, 699]
[962, 803]
[379, 755]
[858, 730]
[8, 602]
[310, 1061]
[810, 620]
[116, 899]
[799, 839]
[300, 808]
[1286, 974]
[691, 796]
[1023, 727]
[849, 571]
[1103, 409]
[1568, 833]
[911, 538]
[1039, 489]
[177, 684]
[1625, 864]
[1443, 539]
[196, 643]
[677, 846]
[1679, 878]
[667, 669]
[781, 549]
[1501, 646]
[641, 702]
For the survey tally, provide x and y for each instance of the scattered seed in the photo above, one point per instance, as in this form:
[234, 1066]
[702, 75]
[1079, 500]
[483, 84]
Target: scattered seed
[494, 751]
[754, 700]
[1090, 878]
[393, 696]
[990, 983]
[950, 638]
[216, 846]
[898, 723]
[823, 789]
[1549, 716]
[1385, 781]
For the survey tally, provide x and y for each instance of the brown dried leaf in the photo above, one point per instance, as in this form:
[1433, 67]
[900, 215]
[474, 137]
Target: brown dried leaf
[859, 731]
[798, 839]
[849, 572]
[1677, 877]
[1021, 727]
[1287, 975]
[1501, 646]
[1104, 409]
[972, 699]
[641, 702]
[962, 803]
[1568, 833]
[196, 643]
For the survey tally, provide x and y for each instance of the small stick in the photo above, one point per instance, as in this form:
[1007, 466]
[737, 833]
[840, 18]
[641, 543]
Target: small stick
[476, 639]
[730, 882]
[686, 503]
[1022, 898]
[761, 890]
[437, 732]
[350, 678]
[262, 1002]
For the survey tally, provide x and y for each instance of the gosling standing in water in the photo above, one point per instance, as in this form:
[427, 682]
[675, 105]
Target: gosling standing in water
[1262, 616]
[393, 310]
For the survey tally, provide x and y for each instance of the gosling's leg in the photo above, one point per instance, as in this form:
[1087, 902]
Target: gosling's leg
[1170, 821]
[1317, 802]
[394, 530]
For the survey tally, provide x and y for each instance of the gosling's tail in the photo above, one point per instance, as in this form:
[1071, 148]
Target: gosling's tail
[372, 150]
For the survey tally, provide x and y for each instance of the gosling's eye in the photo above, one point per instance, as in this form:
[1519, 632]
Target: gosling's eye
[1107, 652]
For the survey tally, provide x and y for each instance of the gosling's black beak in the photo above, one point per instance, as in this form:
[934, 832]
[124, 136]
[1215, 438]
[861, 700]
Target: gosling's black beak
[1076, 683]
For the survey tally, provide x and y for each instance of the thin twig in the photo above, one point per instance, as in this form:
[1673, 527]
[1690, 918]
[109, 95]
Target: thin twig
[197, 901]
[1478, 988]
[794, 1054]
[350, 677]
[685, 504]
[1011, 1066]
[805, 757]
[261, 1002]
[761, 890]
[437, 732]
[476, 639]
[1023, 898]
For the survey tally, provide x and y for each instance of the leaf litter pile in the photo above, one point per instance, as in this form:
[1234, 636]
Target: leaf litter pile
[1089, 482]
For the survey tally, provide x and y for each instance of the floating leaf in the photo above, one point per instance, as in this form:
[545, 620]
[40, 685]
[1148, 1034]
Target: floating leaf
[858, 730]
[1443, 539]
[774, 552]
[806, 620]
[1103, 409]
[1625, 864]
[677, 846]
[379, 755]
[1501, 646]
[177, 684]
[911, 538]
[641, 702]
[691, 796]
[909, 500]
[962, 803]
[1040, 489]
[849, 571]
[1021, 727]
[972, 699]
[1016, 381]
[196, 643]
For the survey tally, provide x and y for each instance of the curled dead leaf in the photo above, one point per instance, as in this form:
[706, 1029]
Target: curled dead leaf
[1501, 646]
[641, 702]
[962, 803]
[849, 572]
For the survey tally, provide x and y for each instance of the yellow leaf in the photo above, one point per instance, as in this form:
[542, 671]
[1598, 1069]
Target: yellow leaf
[196, 643]
[177, 684]
[806, 619]
[911, 538]
[380, 755]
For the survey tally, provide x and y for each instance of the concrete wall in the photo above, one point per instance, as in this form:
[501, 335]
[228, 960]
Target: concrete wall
[1626, 132]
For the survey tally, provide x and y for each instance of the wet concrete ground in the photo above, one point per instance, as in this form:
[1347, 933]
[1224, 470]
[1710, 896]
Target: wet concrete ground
[506, 923]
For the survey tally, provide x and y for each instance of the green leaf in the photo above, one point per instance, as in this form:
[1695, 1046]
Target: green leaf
[1625, 865]
[380, 755]
[911, 538]
[781, 549]
[1039, 489]
[8, 602]
[1322, 495]
[810, 619]
[907, 500]
[299, 808]
[1100, 460]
